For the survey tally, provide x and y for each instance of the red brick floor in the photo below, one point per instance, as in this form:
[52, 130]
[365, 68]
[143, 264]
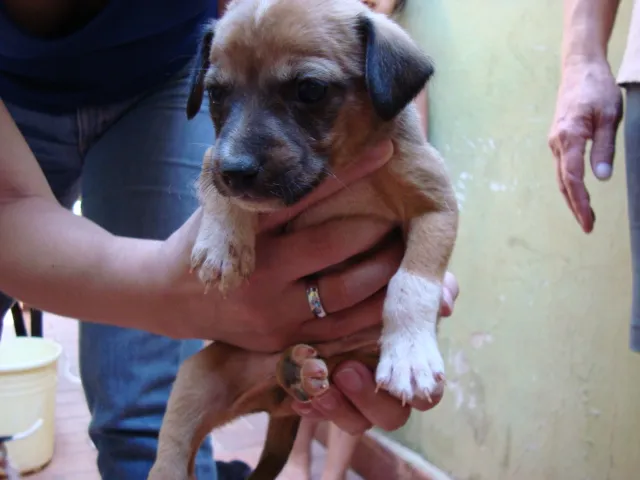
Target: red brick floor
[75, 456]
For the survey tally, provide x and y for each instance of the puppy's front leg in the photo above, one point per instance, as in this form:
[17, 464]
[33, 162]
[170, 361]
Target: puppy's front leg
[410, 362]
[224, 251]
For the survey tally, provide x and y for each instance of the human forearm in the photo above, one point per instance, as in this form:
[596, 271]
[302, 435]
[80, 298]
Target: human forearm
[65, 264]
[62, 263]
[587, 29]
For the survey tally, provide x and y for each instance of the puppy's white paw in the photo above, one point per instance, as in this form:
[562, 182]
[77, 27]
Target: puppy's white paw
[222, 259]
[410, 365]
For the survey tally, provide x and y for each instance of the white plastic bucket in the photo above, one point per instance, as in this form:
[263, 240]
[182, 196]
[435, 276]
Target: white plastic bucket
[28, 380]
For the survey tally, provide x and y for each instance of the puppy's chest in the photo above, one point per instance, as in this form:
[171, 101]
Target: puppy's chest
[361, 199]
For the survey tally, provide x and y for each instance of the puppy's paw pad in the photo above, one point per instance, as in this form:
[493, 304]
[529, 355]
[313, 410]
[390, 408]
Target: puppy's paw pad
[410, 367]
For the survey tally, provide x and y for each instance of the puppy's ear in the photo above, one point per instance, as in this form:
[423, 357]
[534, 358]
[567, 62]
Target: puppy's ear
[396, 70]
[196, 91]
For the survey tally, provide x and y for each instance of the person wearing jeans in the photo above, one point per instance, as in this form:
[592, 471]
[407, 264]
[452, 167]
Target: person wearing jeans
[92, 103]
[589, 107]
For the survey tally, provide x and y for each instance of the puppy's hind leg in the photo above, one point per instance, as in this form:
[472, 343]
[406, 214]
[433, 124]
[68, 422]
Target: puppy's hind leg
[281, 435]
[203, 397]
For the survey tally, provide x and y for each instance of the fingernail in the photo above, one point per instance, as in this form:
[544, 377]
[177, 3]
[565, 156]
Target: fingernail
[349, 380]
[603, 171]
[327, 401]
[447, 306]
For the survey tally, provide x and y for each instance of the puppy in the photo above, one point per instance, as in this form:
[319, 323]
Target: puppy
[295, 90]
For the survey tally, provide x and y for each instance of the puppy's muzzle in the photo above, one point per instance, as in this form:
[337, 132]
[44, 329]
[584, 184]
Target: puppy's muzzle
[239, 174]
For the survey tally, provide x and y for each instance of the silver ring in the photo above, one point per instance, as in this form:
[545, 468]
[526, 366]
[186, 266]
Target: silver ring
[315, 304]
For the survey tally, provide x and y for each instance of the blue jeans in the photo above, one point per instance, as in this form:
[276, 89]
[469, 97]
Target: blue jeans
[135, 164]
[632, 162]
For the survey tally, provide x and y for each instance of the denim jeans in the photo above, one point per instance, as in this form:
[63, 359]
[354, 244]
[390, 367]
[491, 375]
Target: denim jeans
[135, 164]
[632, 162]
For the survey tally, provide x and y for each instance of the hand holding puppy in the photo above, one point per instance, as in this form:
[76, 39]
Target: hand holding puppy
[355, 406]
[271, 310]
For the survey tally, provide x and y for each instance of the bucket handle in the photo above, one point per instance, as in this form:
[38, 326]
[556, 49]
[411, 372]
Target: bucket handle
[5, 463]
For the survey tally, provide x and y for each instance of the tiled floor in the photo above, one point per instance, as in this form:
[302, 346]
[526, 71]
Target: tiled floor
[74, 457]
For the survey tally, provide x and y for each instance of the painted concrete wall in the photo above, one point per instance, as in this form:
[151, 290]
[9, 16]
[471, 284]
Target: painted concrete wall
[541, 382]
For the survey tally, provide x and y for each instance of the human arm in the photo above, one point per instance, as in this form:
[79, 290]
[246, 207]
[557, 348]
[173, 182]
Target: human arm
[67, 265]
[58, 261]
[587, 27]
[588, 105]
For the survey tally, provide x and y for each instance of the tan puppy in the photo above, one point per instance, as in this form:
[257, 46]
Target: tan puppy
[297, 88]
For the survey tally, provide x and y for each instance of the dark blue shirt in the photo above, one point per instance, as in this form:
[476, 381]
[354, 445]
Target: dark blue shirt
[129, 47]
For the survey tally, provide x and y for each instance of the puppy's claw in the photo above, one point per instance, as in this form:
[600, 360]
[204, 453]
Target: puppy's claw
[301, 352]
[314, 376]
[410, 367]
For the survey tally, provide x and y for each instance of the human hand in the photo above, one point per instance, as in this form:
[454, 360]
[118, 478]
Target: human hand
[588, 107]
[353, 403]
[271, 311]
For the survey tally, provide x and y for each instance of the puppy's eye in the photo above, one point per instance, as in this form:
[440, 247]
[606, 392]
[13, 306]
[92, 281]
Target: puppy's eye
[217, 92]
[311, 91]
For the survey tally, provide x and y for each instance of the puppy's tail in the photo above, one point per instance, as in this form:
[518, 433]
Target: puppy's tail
[281, 435]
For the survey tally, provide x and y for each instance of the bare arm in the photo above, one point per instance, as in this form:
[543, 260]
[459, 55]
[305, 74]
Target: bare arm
[57, 261]
[588, 104]
[587, 29]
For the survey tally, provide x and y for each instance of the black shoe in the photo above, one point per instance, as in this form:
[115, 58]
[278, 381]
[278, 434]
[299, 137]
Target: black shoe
[235, 470]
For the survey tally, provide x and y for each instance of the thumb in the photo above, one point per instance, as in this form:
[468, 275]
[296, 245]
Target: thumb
[603, 149]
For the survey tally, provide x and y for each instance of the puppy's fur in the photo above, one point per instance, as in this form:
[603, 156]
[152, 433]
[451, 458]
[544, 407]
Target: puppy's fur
[295, 90]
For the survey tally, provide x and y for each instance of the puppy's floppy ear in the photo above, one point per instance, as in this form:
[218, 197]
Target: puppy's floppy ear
[196, 91]
[396, 70]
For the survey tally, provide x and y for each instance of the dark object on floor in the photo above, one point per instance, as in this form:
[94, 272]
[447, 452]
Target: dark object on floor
[234, 470]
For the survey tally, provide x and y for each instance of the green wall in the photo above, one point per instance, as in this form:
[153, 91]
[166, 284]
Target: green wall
[541, 382]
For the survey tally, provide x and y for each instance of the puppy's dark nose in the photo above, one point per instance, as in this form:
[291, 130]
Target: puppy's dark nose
[239, 173]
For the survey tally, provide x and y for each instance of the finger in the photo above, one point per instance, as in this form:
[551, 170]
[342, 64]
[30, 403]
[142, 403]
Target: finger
[302, 253]
[368, 162]
[344, 289]
[554, 144]
[563, 189]
[603, 148]
[356, 382]
[341, 324]
[572, 172]
[450, 294]
[333, 406]
[568, 144]
[423, 404]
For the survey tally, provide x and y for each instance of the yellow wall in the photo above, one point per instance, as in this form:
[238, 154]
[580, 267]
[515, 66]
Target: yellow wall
[542, 384]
